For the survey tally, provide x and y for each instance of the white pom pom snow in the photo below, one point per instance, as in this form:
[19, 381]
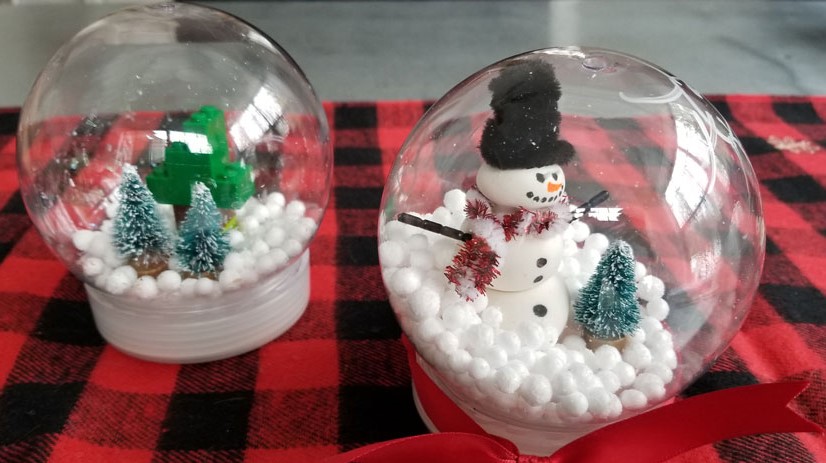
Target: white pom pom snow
[259, 248]
[447, 342]
[625, 373]
[250, 225]
[607, 357]
[610, 381]
[651, 385]
[579, 231]
[230, 279]
[443, 252]
[574, 342]
[479, 368]
[204, 287]
[459, 360]
[657, 308]
[295, 209]
[292, 247]
[92, 266]
[570, 267]
[633, 399]
[638, 336]
[552, 362]
[667, 358]
[507, 379]
[107, 227]
[478, 338]
[639, 271]
[536, 390]
[99, 244]
[422, 260]
[397, 231]
[596, 242]
[276, 210]
[496, 356]
[405, 281]
[564, 383]
[660, 341]
[650, 288]
[234, 260]
[424, 304]
[188, 287]
[584, 376]
[492, 316]
[120, 280]
[169, 281]
[569, 247]
[145, 287]
[417, 242]
[82, 239]
[531, 334]
[509, 341]
[599, 402]
[454, 200]
[261, 213]
[276, 198]
[275, 236]
[636, 355]
[236, 239]
[441, 215]
[268, 262]
[429, 329]
[666, 374]
[650, 325]
[588, 260]
[574, 404]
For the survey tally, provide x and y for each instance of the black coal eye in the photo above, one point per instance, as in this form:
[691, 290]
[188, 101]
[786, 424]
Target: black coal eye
[555, 176]
[540, 178]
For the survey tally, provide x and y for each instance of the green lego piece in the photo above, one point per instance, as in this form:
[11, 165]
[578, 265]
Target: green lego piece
[229, 182]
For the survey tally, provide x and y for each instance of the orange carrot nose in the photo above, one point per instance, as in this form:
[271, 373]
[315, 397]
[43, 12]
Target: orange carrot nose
[552, 187]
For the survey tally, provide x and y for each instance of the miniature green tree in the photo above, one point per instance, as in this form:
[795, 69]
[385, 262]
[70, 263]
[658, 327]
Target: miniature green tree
[202, 243]
[607, 306]
[205, 158]
[138, 231]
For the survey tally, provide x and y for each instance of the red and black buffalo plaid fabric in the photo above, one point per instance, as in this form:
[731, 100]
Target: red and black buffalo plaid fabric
[338, 379]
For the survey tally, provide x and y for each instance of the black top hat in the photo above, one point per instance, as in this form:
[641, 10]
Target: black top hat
[524, 130]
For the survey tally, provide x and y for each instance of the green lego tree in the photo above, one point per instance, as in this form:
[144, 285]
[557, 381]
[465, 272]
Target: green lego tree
[139, 233]
[203, 157]
[607, 306]
[202, 243]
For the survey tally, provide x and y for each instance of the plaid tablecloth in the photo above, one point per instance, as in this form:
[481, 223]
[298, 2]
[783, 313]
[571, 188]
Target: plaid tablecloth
[338, 379]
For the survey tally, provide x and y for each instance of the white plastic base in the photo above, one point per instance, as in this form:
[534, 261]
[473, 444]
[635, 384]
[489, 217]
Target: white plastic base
[176, 330]
[529, 440]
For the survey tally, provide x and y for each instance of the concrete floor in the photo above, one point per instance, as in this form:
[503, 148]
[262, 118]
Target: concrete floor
[411, 50]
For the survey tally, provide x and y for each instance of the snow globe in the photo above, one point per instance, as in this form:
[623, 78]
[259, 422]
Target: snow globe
[569, 237]
[178, 162]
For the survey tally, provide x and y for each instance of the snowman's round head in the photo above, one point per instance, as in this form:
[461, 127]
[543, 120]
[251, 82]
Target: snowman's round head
[520, 144]
[529, 188]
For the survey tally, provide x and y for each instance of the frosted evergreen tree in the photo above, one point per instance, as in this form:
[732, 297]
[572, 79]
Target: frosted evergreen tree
[607, 305]
[202, 243]
[138, 229]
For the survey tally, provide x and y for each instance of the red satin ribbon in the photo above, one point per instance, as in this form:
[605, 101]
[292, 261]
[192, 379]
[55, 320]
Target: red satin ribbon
[651, 437]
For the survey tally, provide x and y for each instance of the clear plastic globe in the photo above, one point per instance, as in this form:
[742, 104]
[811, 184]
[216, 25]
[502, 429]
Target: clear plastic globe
[569, 237]
[178, 161]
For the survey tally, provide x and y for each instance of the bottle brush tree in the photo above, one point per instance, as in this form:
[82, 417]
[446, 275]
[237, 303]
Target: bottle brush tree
[607, 305]
[139, 233]
[202, 243]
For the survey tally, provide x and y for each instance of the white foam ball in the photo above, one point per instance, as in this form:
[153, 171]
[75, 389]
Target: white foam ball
[443, 252]
[145, 287]
[657, 308]
[267, 263]
[509, 341]
[650, 288]
[391, 254]
[295, 209]
[574, 342]
[459, 360]
[599, 402]
[82, 239]
[650, 325]
[574, 404]
[303, 229]
[118, 282]
[230, 279]
[204, 286]
[496, 356]
[507, 379]
[530, 334]
[580, 231]
[92, 266]
[625, 373]
[552, 362]
[609, 380]
[527, 357]
[607, 356]
[447, 342]
[660, 340]
[424, 304]
[616, 406]
[250, 225]
[234, 260]
[417, 241]
[564, 383]
[396, 231]
[479, 368]
[637, 355]
[480, 303]
[236, 239]
[569, 248]
[583, 375]
[639, 271]
[112, 259]
[456, 316]
[597, 242]
[479, 337]
[188, 287]
[275, 236]
[261, 213]
[667, 357]
[421, 259]
[633, 399]
[276, 198]
[659, 369]
[570, 267]
[455, 200]
[536, 390]
[292, 247]
[638, 336]
[430, 328]
[259, 248]
[276, 210]
[492, 316]
[651, 385]
[574, 356]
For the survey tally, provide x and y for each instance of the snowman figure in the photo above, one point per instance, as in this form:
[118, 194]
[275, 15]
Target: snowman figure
[518, 208]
